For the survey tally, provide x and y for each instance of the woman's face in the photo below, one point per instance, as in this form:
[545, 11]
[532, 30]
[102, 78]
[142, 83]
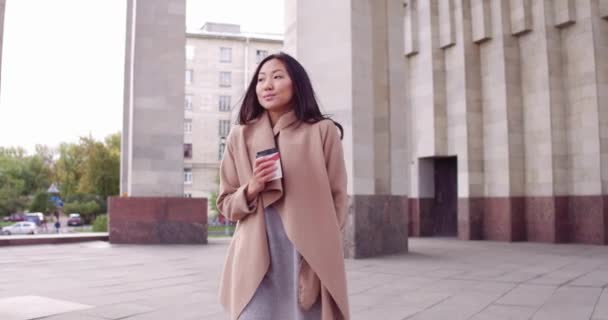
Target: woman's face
[274, 89]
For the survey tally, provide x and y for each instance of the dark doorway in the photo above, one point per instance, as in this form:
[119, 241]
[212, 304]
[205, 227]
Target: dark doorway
[445, 203]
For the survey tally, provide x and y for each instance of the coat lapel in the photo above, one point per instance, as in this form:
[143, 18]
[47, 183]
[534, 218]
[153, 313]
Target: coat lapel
[262, 137]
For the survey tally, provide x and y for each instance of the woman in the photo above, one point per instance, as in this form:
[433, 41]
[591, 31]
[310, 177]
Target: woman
[285, 260]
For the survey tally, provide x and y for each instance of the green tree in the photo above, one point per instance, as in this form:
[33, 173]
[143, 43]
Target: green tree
[68, 168]
[12, 152]
[101, 166]
[11, 195]
[13, 180]
[213, 211]
[89, 166]
[42, 203]
[88, 210]
[37, 173]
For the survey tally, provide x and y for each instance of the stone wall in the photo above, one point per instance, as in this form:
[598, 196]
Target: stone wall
[517, 91]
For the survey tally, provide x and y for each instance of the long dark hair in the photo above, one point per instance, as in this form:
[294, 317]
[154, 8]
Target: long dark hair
[304, 98]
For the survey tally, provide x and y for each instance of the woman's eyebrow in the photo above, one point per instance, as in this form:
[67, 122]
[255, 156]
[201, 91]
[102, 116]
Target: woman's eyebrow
[273, 71]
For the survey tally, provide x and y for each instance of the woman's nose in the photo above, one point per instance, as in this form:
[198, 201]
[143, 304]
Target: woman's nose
[267, 85]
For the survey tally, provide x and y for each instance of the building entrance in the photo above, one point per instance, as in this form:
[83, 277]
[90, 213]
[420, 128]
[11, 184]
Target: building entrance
[445, 202]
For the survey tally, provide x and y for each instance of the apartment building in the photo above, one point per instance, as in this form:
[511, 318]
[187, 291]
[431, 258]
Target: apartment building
[220, 60]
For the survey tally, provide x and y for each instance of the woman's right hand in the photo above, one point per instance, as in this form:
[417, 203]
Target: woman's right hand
[262, 172]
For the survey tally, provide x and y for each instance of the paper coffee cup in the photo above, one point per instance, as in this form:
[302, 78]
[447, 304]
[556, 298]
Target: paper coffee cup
[272, 153]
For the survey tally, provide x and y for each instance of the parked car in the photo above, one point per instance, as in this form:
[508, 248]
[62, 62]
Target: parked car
[15, 217]
[39, 215]
[75, 220]
[23, 227]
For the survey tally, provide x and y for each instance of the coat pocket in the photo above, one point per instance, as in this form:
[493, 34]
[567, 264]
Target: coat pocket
[309, 286]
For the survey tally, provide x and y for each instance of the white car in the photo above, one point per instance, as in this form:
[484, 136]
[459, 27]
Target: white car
[24, 227]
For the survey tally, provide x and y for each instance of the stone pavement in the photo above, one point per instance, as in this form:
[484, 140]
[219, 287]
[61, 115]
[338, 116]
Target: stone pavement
[52, 238]
[438, 279]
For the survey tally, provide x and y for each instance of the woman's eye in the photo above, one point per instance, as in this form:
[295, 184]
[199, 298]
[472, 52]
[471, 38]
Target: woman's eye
[278, 77]
[260, 80]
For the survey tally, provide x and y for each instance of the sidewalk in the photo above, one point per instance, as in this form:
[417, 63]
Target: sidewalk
[52, 238]
[438, 279]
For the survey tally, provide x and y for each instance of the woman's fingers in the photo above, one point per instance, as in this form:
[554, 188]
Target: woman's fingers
[264, 165]
[263, 161]
[265, 174]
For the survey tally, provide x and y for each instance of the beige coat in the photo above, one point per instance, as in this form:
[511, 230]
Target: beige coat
[310, 199]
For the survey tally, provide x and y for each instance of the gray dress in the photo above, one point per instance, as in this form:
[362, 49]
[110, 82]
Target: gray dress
[276, 297]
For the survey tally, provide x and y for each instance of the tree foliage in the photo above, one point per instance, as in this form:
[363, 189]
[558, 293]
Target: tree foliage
[100, 166]
[87, 167]
[22, 176]
[42, 203]
[88, 210]
[213, 198]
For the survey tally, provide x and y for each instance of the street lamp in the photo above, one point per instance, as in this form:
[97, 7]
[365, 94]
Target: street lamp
[222, 147]
[221, 154]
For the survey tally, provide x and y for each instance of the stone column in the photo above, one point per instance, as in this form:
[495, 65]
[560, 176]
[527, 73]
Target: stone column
[588, 119]
[545, 129]
[502, 125]
[151, 208]
[352, 51]
[153, 123]
[600, 36]
[464, 116]
[2, 8]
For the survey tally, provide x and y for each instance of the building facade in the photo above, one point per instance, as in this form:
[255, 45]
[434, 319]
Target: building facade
[488, 117]
[220, 60]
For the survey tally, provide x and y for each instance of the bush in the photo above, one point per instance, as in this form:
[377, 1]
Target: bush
[88, 210]
[88, 197]
[101, 223]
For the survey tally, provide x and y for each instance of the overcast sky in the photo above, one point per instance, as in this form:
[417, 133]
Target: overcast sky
[62, 63]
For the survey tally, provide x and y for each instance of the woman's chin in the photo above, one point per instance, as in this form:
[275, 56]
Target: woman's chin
[274, 108]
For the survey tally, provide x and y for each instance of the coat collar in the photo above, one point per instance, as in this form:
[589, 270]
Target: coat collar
[284, 121]
[263, 137]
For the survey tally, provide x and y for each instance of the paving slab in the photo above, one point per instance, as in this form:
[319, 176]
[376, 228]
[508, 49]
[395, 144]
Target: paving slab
[438, 279]
[32, 307]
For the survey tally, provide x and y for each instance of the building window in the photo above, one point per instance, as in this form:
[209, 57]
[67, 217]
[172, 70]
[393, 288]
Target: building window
[224, 126]
[224, 103]
[187, 195]
[188, 102]
[188, 150]
[225, 79]
[187, 125]
[187, 175]
[189, 76]
[260, 55]
[189, 52]
[225, 54]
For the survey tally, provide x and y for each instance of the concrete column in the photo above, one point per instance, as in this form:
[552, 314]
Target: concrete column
[502, 128]
[152, 163]
[2, 9]
[427, 82]
[600, 39]
[544, 126]
[152, 140]
[581, 70]
[358, 77]
[599, 21]
[464, 116]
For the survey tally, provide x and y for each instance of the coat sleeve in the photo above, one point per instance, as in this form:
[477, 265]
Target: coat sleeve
[232, 198]
[336, 170]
